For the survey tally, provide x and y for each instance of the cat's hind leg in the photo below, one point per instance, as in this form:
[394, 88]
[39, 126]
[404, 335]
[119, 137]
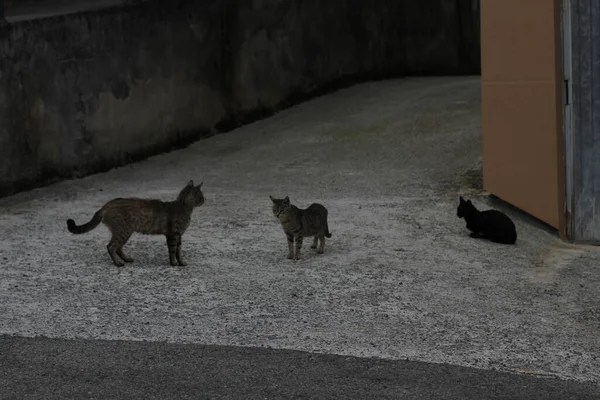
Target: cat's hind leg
[121, 238]
[112, 248]
[125, 257]
[115, 247]
[315, 241]
[321, 245]
[503, 239]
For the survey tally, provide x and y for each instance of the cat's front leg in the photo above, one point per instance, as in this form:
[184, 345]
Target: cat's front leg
[299, 240]
[472, 227]
[178, 254]
[290, 240]
[172, 245]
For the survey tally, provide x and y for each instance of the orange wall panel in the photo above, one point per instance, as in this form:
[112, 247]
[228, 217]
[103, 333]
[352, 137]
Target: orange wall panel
[517, 39]
[519, 104]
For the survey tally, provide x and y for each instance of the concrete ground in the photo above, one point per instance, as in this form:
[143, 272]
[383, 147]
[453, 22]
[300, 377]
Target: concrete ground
[400, 278]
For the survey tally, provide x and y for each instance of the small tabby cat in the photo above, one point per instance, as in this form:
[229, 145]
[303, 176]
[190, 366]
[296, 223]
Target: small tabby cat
[493, 225]
[298, 223]
[123, 217]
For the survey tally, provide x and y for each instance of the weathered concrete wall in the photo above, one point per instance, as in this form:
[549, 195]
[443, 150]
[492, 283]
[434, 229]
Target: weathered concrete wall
[86, 92]
[441, 36]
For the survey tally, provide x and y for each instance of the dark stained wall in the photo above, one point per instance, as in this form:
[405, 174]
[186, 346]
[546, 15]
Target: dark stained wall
[82, 93]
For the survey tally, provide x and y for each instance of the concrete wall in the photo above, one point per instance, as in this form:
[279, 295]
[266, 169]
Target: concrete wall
[583, 128]
[82, 93]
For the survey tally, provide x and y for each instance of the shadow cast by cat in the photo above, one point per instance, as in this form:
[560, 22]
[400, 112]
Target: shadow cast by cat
[492, 225]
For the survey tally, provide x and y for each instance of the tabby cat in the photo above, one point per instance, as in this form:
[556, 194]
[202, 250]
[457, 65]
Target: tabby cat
[493, 225]
[123, 217]
[298, 223]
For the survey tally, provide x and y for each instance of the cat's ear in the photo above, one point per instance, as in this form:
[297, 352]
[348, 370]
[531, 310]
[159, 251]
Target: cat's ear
[469, 202]
[462, 200]
[186, 190]
[200, 185]
[287, 199]
[272, 199]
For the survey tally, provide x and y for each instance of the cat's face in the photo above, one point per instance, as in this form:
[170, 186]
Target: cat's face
[192, 195]
[463, 207]
[280, 206]
[197, 197]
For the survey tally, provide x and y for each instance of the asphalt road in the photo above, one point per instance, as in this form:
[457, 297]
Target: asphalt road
[36, 368]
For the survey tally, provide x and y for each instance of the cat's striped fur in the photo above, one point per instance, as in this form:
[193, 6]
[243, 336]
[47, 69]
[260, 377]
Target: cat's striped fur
[298, 223]
[123, 217]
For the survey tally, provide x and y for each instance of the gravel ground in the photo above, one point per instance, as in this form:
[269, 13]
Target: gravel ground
[400, 278]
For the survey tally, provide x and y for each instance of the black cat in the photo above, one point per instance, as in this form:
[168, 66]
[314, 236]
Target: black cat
[493, 225]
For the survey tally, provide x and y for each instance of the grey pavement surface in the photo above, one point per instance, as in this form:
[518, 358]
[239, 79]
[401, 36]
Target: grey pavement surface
[400, 278]
[54, 368]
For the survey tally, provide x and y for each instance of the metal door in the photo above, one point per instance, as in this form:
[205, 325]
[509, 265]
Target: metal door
[521, 104]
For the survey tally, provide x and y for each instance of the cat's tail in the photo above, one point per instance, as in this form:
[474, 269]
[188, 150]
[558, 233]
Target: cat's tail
[79, 229]
[328, 234]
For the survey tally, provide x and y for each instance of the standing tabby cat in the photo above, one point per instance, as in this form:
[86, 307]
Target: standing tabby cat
[493, 225]
[298, 223]
[151, 217]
